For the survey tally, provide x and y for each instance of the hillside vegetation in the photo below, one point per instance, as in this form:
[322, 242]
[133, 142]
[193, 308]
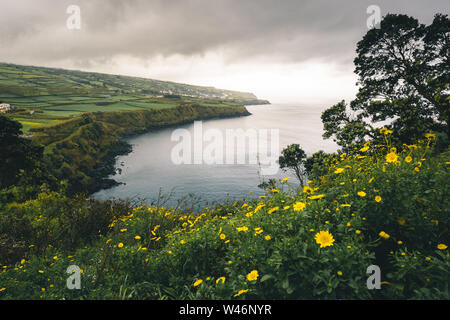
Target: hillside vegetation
[80, 117]
[379, 206]
[44, 96]
[82, 150]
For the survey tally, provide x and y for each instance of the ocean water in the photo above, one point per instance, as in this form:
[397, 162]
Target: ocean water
[151, 173]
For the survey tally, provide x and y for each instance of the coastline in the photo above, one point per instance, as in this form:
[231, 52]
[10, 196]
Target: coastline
[83, 150]
[122, 148]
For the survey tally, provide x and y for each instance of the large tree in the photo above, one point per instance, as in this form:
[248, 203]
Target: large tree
[403, 70]
[293, 158]
[20, 159]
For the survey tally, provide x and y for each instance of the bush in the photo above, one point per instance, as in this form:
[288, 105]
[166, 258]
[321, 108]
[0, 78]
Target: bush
[380, 206]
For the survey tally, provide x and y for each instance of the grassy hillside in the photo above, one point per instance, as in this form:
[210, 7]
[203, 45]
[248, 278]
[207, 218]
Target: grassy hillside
[381, 206]
[80, 116]
[52, 95]
[82, 150]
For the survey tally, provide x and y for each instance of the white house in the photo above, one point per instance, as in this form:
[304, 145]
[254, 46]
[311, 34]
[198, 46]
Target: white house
[4, 107]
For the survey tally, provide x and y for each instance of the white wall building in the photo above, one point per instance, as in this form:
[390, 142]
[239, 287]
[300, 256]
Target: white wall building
[4, 107]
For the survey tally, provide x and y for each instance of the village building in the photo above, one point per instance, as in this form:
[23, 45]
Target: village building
[4, 107]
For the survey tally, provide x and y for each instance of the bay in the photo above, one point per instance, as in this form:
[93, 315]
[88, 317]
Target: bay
[149, 172]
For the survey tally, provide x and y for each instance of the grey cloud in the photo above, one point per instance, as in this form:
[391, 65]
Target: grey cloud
[34, 31]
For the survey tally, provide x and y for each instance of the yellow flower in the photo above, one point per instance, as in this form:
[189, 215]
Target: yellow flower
[339, 170]
[408, 159]
[275, 190]
[252, 276]
[416, 169]
[2, 289]
[385, 131]
[299, 206]
[182, 242]
[123, 230]
[169, 252]
[120, 245]
[339, 273]
[391, 157]
[221, 279]
[240, 292]
[361, 193]
[324, 238]
[22, 261]
[358, 231]
[441, 246]
[364, 149]
[267, 238]
[245, 229]
[223, 236]
[377, 198]
[285, 179]
[259, 231]
[383, 235]
[319, 196]
[138, 237]
[273, 210]
[198, 282]
[430, 136]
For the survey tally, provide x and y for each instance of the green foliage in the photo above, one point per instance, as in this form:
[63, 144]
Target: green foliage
[380, 209]
[293, 158]
[53, 220]
[403, 77]
[316, 165]
[20, 159]
[82, 150]
[33, 81]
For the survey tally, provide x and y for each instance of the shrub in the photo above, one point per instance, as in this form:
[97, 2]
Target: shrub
[379, 206]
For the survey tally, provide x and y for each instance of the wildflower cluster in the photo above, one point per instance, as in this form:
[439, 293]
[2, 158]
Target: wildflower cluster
[288, 244]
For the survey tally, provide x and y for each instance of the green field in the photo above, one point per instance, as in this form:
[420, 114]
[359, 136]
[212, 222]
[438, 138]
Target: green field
[43, 96]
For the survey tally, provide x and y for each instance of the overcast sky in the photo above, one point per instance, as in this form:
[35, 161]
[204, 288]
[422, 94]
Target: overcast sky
[281, 50]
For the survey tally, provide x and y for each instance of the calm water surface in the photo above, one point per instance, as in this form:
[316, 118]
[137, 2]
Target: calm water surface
[149, 170]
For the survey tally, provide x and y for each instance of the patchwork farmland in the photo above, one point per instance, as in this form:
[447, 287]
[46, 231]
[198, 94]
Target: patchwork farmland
[44, 96]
